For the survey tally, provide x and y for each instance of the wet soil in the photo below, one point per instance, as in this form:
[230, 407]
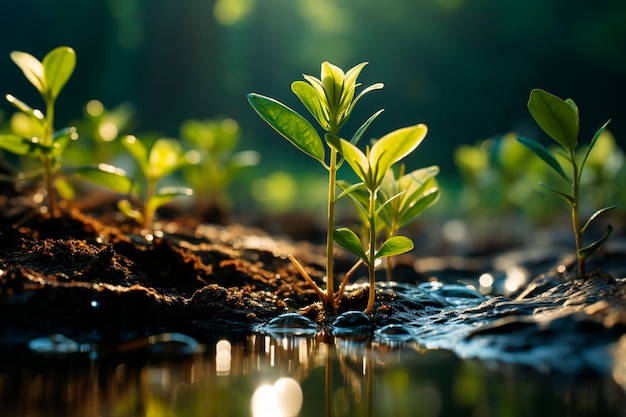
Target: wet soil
[97, 279]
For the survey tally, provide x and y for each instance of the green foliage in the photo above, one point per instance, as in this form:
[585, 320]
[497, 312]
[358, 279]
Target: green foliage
[330, 99]
[374, 168]
[213, 143]
[33, 133]
[494, 174]
[100, 131]
[559, 119]
[156, 162]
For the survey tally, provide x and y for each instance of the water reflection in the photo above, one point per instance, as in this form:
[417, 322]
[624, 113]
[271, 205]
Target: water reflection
[291, 375]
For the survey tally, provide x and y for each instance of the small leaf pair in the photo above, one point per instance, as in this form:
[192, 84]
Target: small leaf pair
[559, 119]
[164, 157]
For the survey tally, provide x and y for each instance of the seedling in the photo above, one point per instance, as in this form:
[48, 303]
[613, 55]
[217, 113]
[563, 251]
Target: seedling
[559, 119]
[407, 196]
[331, 100]
[164, 157]
[33, 131]
[215, 141]
[372, 167]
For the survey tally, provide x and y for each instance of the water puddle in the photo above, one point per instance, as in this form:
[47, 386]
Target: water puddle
[452, 351]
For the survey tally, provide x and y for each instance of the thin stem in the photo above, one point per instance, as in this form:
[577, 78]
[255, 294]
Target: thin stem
[342, 287]
[371, 258]
[332, 185]
[48, 163]
[307, 278]
[148, 211]
[392, 233]
[575, 218]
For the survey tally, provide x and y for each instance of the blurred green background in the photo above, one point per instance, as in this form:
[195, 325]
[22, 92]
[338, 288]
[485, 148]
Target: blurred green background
[463, 67]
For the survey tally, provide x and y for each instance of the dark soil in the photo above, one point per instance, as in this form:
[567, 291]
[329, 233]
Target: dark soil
[102, 280]
[97, 279]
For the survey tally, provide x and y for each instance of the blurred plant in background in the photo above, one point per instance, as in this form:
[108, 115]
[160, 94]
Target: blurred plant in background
[213, 144]
[100, 130]
[495, 174]
[155, 160]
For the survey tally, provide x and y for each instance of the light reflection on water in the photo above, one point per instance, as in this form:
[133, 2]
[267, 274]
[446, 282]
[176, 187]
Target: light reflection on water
[285, 375]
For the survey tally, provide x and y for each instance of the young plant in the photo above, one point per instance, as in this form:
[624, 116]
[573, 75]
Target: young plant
[33, 133]
[408, 196]
[331, 100]
[214, 142]
[372, 167]
[559, 119]
[164, 157]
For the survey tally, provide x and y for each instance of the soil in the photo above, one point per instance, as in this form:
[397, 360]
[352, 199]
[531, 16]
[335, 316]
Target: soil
[96, 278]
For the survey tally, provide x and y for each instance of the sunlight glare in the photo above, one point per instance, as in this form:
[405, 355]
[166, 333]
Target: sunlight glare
[229, 12]
[222, 357]
[283, 399]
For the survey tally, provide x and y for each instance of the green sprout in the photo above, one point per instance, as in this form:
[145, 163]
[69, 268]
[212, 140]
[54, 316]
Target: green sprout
[372, 167]
[407, 196]
[331, 100]
[164, 157]
[33, 133]
[559, 119]
[215, 142]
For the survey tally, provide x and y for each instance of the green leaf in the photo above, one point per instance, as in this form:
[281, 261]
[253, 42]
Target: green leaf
[568, 198]
[428, 199]
[359, 133]
[61, 139]
[58, 66]
[138, 151]
[353, 155]
[347, 239]
[595, 138]
[108, 176]
[27, 126]
[289, 124]
[348, 189]
[377, 86]
[165, 157]
[555, 116]
[361, 130]
[129, 211]
[15, 144]
[392, 147]
[165, 195]
[32, 69]
[20, 105]
[316, 105]
[587, 251]
[596, 215]
[65, 189]
[539, 150]
[332, 80]
[395, 245]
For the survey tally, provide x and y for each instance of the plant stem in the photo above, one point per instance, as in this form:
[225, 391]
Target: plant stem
[575, 218]
[48, 163]
[371, 257]
[148, 211]
[329, 303]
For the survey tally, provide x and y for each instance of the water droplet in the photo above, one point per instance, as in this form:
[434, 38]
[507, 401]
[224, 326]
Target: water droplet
[452, 294]
[352, 323]
[394, 333]
[291, 324]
